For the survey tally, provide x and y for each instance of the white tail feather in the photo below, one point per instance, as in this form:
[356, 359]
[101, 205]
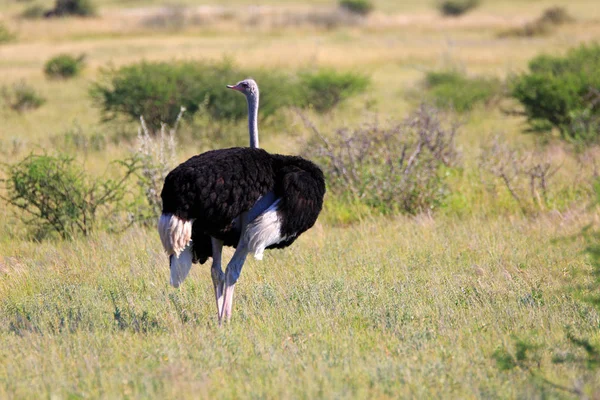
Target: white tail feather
[180, 266]
[175, 233]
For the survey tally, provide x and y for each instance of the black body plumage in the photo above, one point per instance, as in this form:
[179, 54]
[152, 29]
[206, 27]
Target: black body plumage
[216, 187]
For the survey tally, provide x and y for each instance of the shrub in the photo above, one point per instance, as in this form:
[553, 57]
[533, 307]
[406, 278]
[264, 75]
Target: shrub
[64, 66]
[541, 26]
[5, 34]
[400, 168]
[361, 7]
[22, 97]
[455, 8]
[527, 176]
[80, 8]
[452, 89]
[57, 196]
[157, 91]
[556, 16]
[33, 11]
[562, 92]
[326, 88]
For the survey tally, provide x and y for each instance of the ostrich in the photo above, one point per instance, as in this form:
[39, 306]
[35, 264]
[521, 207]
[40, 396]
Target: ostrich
[242, 197]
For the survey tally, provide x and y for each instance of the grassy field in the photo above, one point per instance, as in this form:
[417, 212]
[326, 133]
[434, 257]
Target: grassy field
[362, 306]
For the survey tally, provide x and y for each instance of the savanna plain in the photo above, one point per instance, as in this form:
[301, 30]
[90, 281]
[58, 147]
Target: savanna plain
[369, 303]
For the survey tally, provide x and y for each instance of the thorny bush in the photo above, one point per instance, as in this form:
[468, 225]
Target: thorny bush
[526, 175]
[396, 168]
[56, 195]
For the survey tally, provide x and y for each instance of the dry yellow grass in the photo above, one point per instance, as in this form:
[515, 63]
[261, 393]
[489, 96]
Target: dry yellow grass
[385, 307]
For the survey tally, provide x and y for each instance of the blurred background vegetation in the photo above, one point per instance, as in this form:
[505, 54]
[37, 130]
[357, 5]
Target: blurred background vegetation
[450, 132]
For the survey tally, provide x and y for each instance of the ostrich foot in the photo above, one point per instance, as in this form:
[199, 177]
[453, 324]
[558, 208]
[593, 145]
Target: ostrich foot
[227, 305]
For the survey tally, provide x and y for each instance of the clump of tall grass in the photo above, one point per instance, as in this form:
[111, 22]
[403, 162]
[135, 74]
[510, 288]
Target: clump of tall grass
[157, 156]
[21, 97]
[75, 139]
[456, 90]
[395, 168]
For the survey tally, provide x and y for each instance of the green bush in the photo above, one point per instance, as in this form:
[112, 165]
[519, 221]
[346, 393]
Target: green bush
[325, 88]
[361, 7]
[562, 93]
[79, 8]
[56, 195]
[5, 34]
[454, 8]
[64, 66]
[157, 91]
[452, 89]
[33, 11]
[22, 97]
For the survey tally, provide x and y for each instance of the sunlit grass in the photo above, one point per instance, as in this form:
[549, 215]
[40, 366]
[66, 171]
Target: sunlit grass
[362, 305]
[389, 307]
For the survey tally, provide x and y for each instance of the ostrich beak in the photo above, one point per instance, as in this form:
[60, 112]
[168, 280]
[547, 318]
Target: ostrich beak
[234, 87]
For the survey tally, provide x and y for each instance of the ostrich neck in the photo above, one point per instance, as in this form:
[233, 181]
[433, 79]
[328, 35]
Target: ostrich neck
[253, 120]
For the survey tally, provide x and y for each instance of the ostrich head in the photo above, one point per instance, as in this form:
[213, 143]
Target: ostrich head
[250, 89]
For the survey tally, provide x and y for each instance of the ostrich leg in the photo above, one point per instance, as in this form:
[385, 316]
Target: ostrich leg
[232, 273]
[218, 277]
[234, 268]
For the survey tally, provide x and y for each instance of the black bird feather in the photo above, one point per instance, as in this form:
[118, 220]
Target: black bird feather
[216, 187]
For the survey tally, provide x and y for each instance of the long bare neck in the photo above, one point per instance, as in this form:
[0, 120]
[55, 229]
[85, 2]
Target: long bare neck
[253, 120]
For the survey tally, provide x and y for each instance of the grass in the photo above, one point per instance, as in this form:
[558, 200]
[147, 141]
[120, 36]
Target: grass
[386, 308]
[362, 305]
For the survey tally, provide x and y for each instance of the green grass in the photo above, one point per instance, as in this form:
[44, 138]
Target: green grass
[362, 305]
[387, 308]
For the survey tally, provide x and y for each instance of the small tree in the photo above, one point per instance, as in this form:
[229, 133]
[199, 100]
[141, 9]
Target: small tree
[56, 195]
[563, 93]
